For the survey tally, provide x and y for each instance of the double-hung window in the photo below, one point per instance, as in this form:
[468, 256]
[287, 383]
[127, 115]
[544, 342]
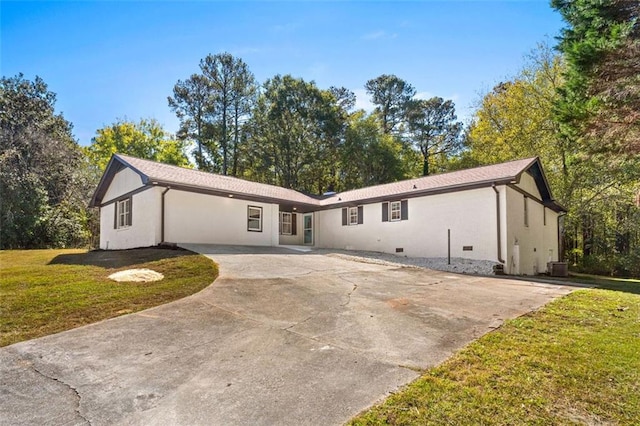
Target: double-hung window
[254, 219]
[123, 213]
[353, 215]
[285, 223]
[394, 208]
[395, 211]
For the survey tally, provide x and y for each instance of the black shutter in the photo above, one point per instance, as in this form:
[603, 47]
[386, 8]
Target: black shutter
[294, 224]
[130, 215]
[404, 210]
[385, 212]
[115, 216]
[344, 217]
[360, 215]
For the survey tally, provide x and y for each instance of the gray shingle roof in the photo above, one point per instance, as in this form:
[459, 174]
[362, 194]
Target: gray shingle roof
[168, 174]
[499, 173]
[179, 177]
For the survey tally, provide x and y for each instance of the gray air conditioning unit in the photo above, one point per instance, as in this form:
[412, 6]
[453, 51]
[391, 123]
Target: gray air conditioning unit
[558, 269]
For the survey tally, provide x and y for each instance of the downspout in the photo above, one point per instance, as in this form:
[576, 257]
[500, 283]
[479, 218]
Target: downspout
[162, 216]
[500, 259]
[560, 239]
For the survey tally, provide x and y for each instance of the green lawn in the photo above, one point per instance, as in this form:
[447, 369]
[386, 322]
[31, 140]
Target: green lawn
[575, 361]
[47, 291]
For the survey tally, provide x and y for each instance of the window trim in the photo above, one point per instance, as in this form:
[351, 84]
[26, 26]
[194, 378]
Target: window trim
[283, 223]
[124, 218]
[391, 207]
[250, 219]
[392, 211]
[350, 216]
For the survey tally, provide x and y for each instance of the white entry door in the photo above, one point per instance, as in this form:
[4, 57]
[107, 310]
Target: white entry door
[307, 221]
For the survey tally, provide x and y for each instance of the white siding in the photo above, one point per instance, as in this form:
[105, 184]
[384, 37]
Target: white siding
[470, 215]
[537, 243]
[145, 223]
[528, 184]
[126, 180]
[200, 218]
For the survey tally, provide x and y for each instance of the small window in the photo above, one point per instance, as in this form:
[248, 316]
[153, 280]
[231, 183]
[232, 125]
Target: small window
[526, 211]
[254, 219]
[285, 223]
[123, 213]
[353, 215]
[544, 216]
[394, 207]
[395, 211]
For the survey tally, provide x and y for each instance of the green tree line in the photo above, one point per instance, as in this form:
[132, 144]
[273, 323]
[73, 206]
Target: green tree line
[576, 106]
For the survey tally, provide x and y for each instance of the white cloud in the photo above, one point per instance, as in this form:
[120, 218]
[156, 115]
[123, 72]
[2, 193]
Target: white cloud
[428, 95]
[363, 101]
[423, 95]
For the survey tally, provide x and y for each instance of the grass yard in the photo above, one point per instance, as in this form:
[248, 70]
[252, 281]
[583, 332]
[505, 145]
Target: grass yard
[575, 361]
[48, 291]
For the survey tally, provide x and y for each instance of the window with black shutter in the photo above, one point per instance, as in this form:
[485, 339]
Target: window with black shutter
[123, 213]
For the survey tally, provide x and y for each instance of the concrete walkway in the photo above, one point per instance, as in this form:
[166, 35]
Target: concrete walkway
[282, 337]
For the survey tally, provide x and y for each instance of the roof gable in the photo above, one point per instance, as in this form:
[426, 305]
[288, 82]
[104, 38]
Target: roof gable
[536, 171]
[115, 165]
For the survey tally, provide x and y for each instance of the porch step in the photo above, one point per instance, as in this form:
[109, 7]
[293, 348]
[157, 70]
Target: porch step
[304, 249]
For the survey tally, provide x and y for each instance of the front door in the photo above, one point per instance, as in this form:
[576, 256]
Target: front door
[307, 221]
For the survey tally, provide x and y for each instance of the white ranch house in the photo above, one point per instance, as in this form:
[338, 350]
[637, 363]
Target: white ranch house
[503, 213]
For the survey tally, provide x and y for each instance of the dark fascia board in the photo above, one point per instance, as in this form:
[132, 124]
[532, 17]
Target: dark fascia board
[145, 178]
[419, 193]
[300, 207]
[126, 195]
[307, 207]
[537, 172]
[550, 204]
[555, 206]
[115, 165]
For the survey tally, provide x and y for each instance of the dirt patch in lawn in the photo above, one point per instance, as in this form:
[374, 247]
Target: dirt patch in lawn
[116, 259]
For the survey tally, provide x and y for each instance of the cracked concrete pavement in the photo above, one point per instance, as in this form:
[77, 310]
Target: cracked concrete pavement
[281, 337]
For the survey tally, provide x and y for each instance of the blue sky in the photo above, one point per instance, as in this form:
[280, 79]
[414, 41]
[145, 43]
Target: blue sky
[110, 60]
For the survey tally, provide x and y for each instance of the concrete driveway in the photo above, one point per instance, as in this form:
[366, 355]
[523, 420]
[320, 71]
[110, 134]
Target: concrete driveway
[282, 337]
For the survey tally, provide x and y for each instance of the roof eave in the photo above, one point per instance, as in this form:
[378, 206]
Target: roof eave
[419, 193]
[311, 204]
[555, 206]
